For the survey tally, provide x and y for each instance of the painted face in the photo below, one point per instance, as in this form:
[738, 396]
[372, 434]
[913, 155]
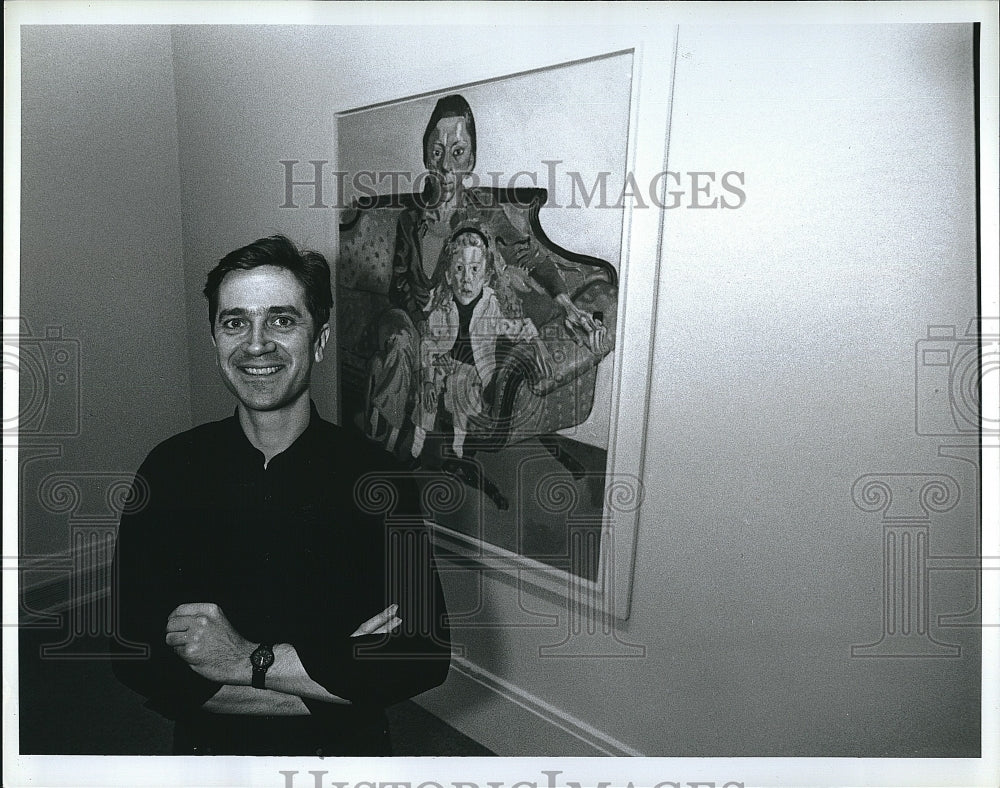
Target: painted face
[467, 274]
[449, 154]
[264, 338]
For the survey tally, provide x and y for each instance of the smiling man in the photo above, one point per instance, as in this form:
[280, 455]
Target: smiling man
[282, 603]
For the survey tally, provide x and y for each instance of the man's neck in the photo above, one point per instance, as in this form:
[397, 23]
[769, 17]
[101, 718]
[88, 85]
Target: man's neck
[273, 431]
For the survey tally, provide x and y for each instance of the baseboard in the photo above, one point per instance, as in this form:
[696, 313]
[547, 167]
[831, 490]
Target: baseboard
[76, 583]
[511, 721]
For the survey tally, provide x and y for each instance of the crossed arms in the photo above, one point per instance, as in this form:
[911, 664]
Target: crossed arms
[351, 600]
[202, 636]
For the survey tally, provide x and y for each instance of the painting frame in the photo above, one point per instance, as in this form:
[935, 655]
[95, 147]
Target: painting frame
[608, 592]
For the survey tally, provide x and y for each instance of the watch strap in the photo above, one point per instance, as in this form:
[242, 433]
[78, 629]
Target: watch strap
[260, 660]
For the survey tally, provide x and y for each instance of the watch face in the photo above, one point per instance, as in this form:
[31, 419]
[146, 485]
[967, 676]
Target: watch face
[262, 657]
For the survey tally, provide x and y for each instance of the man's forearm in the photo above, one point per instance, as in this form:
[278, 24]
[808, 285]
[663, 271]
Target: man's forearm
[287, 683]
[202, 636]
[288, 675]
[240, 699]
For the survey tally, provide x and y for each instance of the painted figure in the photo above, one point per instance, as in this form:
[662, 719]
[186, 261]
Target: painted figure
[466, 316]
[449, 151]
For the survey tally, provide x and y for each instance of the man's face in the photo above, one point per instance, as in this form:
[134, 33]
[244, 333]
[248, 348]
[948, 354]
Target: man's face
[449, 154]
[265, 339]
[467, 274]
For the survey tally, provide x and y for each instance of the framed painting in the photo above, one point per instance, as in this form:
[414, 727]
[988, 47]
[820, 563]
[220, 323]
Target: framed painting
[481, 291]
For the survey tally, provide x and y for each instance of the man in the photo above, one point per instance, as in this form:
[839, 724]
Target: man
[277, 567]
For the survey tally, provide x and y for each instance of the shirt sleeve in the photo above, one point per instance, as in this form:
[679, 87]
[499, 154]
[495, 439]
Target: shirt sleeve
[381, 670]
[144, 593]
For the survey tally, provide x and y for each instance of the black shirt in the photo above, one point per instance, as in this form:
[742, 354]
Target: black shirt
[302, 552]
[462, 349]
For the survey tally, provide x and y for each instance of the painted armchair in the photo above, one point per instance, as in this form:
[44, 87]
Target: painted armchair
[529, 399]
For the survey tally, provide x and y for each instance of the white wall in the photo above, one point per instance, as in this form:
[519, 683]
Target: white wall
[784, 370]
[101, 251]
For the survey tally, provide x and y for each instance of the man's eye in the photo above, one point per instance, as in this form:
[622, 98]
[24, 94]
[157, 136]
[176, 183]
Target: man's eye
[233, 324]
[283, 321]
[458, 152]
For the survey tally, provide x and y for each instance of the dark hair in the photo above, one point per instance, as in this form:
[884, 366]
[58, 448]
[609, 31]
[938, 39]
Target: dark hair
[451, 107]
[454, 241]
[309, 268]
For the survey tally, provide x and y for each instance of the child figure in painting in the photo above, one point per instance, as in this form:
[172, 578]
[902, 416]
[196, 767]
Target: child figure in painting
[458, 341]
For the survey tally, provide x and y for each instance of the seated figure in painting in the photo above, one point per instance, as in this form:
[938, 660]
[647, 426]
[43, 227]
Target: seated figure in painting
[469, 311]
[449, 148]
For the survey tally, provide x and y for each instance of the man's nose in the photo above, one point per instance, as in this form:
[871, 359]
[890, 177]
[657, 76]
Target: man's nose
[259, 341]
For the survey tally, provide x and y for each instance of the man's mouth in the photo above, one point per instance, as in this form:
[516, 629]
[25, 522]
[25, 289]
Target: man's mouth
[260, 371]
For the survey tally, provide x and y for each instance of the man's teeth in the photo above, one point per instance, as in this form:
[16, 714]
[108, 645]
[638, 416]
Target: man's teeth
[260, 370]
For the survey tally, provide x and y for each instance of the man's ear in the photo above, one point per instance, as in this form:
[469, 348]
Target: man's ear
[320, 342]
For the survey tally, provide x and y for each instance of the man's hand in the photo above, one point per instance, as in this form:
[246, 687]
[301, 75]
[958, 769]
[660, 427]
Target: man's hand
[202, 636]
[382, 624]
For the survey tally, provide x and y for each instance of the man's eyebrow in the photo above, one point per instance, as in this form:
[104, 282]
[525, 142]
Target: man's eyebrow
[288, 309]
[281, 309]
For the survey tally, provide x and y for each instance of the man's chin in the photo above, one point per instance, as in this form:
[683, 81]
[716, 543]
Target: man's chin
[260, 396]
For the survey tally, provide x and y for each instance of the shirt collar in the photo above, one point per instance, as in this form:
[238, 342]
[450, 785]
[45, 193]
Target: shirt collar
[307, 438]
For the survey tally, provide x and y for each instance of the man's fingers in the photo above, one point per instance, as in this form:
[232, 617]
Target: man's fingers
[196, 609]
[375, 622]
[388, 626]
[175, 639]
[381, 619]
[179, 623]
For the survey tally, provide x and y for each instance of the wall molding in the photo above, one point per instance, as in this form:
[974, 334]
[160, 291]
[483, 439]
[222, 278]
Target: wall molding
[55, 595]
[511, 709]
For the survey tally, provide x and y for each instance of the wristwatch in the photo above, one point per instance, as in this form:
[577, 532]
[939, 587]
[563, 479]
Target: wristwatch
[261, 659]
